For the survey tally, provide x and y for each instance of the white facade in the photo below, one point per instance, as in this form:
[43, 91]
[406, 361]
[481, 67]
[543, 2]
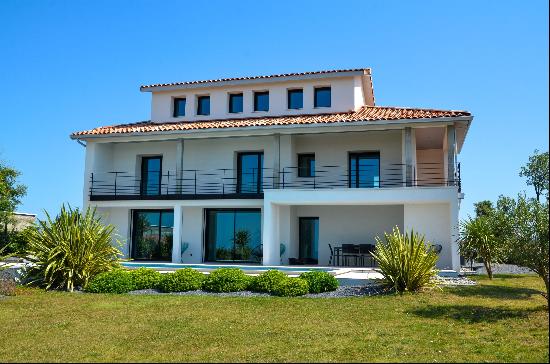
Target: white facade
[416, 187]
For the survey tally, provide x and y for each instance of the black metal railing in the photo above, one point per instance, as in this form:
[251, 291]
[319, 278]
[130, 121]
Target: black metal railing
[228, 183]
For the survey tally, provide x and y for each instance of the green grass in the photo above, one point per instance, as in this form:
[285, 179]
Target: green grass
[500, 320]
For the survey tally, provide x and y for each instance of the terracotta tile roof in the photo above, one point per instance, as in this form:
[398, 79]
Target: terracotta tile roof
[366, 113]
[366, 70]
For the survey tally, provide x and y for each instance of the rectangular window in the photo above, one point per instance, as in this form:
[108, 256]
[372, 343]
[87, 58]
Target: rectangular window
[179, 107]
[308, 239]
[235, 103]
[152, 234]
[364, 170]
[151, 175]
[306, 165]
[322, 97]
[249, 172]
[261, 101]
[203, 105]
[295, 99]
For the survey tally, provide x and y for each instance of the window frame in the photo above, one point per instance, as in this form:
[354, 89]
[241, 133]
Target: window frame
[176, 108]
[306, 172]
[199, 98]
[356, 155]
[133, 246]
[288, 93]
[259, 177]
[229, 104]
[315, 100]
[143, 189]
[255, 100]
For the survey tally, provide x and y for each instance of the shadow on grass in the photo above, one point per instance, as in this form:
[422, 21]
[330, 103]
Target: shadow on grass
[513, 293]
[474, 314]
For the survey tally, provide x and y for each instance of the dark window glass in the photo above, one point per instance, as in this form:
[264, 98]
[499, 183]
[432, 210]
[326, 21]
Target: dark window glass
[152, 234]
[235, 103]
[322, 97]
[151, 175]
[203, 105]
[309, 238]
[295, 99]
[249, 172]
[261, 101]
[306, 165]
[364, 170]
[233, 235]
[179, 107]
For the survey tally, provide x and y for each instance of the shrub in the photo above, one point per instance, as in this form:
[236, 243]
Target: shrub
[145, 278]
[320, 281]
[182, 280]
[406, 261]
[267, 281]
[227, 280]
[291, 287]
[68, 251]
[115, 281]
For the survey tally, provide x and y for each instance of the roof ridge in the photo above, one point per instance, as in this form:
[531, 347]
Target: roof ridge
[225, 79]
[415, 108]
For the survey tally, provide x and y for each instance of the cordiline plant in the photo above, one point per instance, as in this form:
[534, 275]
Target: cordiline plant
[69, 250]
[406, 261]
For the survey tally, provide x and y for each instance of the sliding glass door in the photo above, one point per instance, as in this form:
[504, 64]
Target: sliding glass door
[233, 235]
[249, 172]
[151, 175]
[152, 234]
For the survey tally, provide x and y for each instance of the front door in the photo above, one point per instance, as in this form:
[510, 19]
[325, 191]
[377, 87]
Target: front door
[309, 239]
[152, 234]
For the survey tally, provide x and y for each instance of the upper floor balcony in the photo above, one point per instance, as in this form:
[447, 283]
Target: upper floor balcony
[248, 181]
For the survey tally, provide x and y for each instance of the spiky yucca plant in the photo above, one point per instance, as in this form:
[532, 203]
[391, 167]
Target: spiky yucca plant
[406, 261]
[66, 252]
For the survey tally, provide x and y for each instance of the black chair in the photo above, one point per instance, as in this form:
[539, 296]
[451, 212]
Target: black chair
[365, 250]
[332, 260]
[349, 251]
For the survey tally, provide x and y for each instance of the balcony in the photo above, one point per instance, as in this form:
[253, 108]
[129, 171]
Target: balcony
[234, 184]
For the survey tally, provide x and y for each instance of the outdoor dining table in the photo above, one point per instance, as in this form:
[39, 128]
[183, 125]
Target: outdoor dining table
[339, 254]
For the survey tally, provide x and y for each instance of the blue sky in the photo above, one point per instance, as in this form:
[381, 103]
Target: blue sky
[73, 65]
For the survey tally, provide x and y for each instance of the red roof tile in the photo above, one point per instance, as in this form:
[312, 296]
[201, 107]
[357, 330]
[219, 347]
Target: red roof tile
[366, 113]
[366, 70]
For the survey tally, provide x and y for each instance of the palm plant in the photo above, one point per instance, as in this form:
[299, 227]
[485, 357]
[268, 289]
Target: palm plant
[406, 261]
[68, 251]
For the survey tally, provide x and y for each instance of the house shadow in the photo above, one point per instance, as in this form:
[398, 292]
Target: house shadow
[514, 293]
[473, 314]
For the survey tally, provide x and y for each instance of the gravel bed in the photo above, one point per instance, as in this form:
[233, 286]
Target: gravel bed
[455, 281]
[505, 269]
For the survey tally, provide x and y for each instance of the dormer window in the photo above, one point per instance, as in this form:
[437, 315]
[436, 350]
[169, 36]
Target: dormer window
[295, 98]
[203, 105]
[235, 103]
[261, 101]
[322, 97]
[179, 107]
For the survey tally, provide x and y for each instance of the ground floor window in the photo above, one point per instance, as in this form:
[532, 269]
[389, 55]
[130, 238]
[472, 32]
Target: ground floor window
[233, 235]
[309, 239]
[152, 234]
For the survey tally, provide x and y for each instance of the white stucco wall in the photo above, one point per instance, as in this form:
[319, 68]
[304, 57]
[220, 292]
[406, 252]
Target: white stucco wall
[345, 97]
[430, 167]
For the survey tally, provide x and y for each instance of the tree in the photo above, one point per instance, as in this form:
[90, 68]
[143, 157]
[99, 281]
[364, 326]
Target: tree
[484, 208]
[477, 238]
[536, 172]
[10, 197]
[529, 240]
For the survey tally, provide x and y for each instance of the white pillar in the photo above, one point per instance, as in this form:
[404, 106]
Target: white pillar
[89, 164]
[176, 235]
[270, 237]
[451, 153]
[453, 219]
[408, 156]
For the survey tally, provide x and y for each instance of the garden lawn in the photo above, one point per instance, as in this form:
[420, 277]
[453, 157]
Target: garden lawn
[500, 320]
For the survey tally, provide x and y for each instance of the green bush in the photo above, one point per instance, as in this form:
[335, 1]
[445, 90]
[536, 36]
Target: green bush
[68, 251]
[267, 281]
[182, 280]
[227, 280]
[115, 281]
[145, 278]
[291, 287]
[406, 261]
[320, 281]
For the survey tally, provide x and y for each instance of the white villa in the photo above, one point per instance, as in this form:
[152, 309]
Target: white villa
[299, 168]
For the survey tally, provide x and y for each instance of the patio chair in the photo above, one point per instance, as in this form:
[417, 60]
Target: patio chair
[331, 258]
[349, 251]
[365, 251]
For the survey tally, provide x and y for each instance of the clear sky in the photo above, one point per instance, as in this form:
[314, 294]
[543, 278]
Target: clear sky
[74, 65]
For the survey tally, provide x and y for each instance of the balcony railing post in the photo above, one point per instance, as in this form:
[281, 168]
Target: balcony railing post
[167, 182]
[459, 179]
[92, 185]
[116, 176]
[223, 182]
[195, 188]
[284, 170]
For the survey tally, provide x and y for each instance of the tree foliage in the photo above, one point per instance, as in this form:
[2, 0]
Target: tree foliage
[11, 193]
[536, 172]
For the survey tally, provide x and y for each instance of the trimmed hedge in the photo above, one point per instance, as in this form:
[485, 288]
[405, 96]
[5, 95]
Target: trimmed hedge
[291, 287]
[267, 281]
[227, 280]
[182, 280]
[145, 278]
[319, 282]
[115, 281]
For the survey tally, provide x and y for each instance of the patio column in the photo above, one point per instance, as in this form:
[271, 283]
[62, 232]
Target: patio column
[451, 154]
[270, 237]
[409, 151]
[455, 255]
[176, 235]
